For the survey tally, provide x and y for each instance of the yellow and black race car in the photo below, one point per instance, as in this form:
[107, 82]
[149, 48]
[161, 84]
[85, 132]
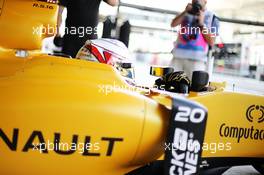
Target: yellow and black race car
[70, 116]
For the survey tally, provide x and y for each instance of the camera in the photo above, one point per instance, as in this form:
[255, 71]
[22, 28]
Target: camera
[197, 6]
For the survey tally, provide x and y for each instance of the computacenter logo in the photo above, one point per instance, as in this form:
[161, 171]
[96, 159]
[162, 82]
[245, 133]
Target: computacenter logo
[255, 112]
[255, 115]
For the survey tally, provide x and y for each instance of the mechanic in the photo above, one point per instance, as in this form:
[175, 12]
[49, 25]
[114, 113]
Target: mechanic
[198, 30]
[81, 23]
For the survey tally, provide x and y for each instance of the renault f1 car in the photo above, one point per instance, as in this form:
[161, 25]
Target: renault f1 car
[72, 116]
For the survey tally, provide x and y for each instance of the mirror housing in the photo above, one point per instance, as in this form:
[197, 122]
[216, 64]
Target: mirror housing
[160, 71]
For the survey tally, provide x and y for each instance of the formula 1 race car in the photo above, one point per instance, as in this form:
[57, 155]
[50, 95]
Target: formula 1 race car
[72, 116]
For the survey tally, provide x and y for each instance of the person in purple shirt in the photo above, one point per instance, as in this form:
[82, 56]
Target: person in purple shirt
[198, 30]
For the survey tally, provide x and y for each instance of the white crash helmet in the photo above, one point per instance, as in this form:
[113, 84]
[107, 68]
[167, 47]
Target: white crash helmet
[108, 51]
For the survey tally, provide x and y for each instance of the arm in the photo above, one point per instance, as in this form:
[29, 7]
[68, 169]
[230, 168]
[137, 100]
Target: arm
[178, 19]
[112, 2]
[209, 37]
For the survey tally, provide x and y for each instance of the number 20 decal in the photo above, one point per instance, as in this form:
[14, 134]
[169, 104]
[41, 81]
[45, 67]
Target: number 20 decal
[185, 114]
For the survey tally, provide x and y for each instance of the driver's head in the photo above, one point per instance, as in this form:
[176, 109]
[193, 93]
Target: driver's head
[202, 2]
[107, 51]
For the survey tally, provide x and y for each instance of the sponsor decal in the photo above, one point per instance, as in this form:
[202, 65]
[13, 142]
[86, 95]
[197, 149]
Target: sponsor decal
[241, 133]
[255, 109]
[43, 6]
[12, 143]
[254, 114]
[186, 135]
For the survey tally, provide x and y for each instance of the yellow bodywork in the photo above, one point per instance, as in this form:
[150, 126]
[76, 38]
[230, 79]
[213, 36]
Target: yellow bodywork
[230, 109]
[70, 97]
[25, 23]
[57, 95]
[227, 109]
[45, 96]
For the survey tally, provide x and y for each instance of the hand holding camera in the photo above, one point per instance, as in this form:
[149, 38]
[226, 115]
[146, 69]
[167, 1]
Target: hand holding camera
[188, 8]
[197, 7]
[201, 19]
